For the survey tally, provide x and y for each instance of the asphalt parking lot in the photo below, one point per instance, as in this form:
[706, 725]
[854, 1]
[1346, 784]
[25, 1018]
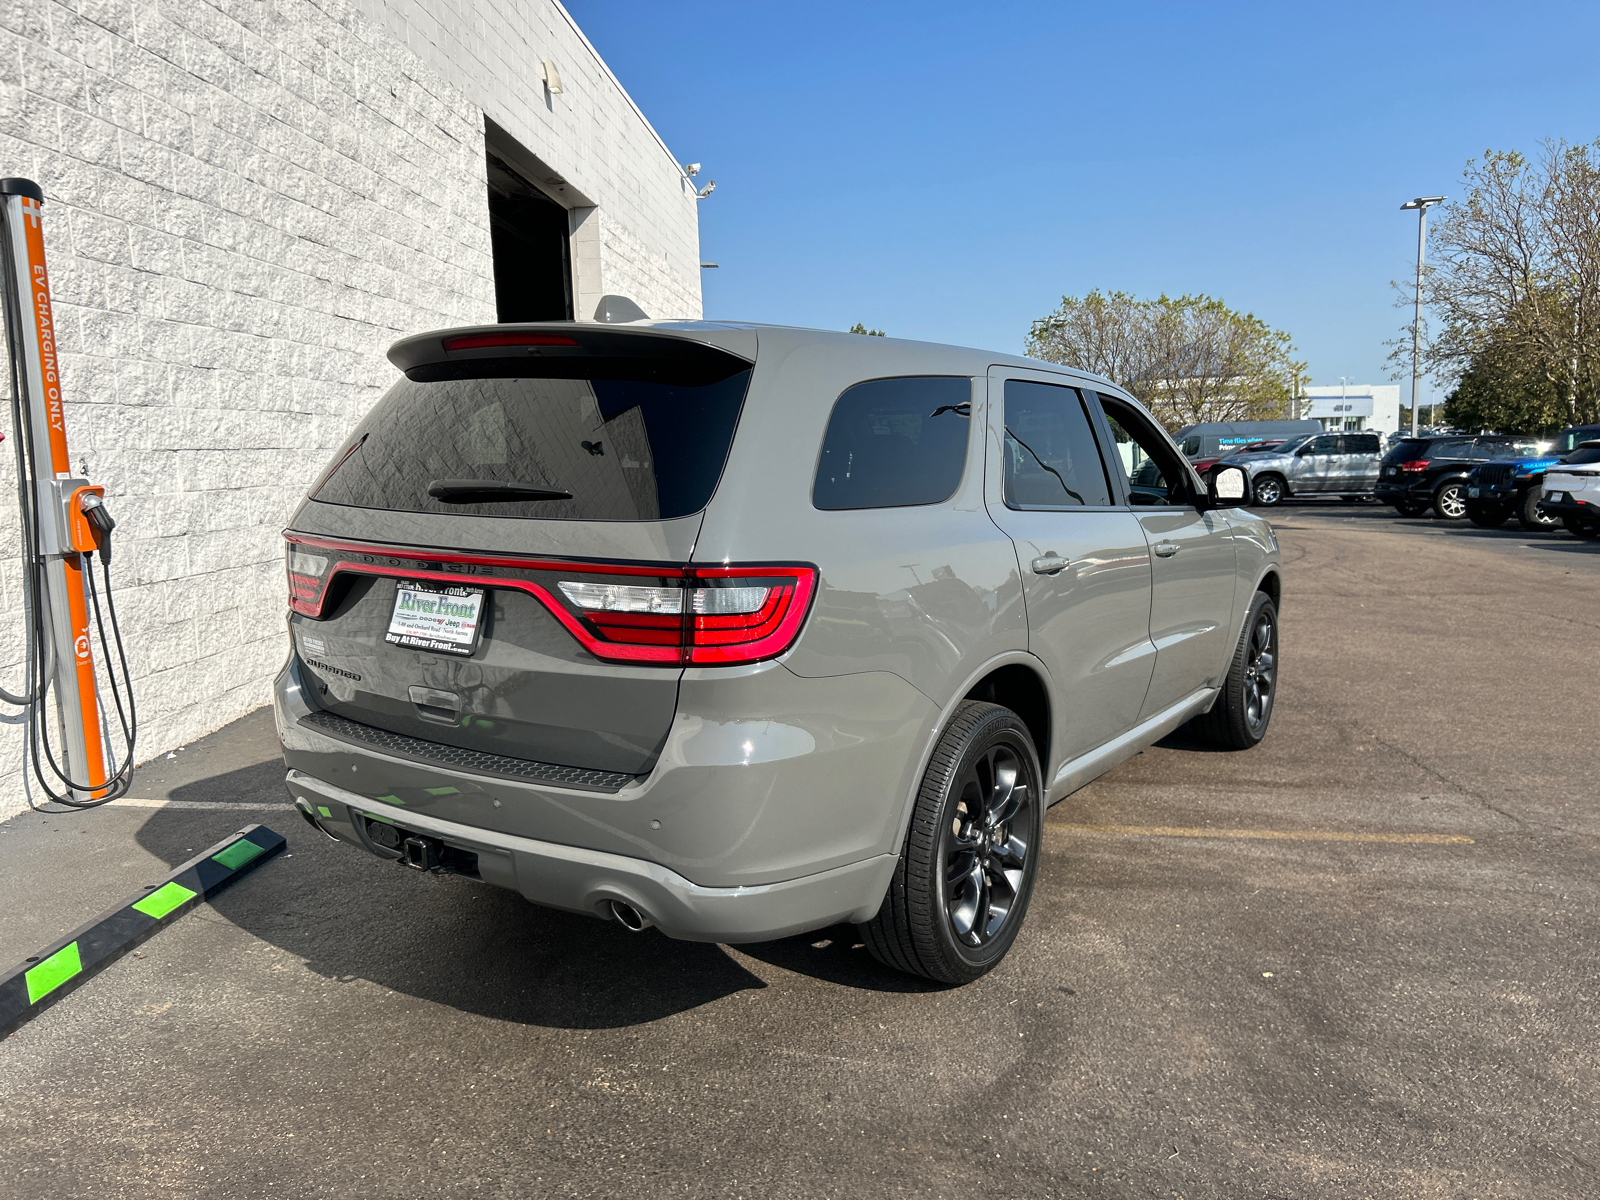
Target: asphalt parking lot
[1357, 961]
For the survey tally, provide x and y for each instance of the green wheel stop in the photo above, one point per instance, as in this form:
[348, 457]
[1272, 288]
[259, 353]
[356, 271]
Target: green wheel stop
[33, 986]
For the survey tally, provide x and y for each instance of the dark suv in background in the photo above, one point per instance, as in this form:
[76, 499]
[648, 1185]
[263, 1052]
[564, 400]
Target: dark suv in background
[1422, 473]
[1498, 490]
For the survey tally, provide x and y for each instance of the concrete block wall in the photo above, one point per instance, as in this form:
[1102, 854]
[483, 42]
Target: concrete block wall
[247, 201]
[594, 138]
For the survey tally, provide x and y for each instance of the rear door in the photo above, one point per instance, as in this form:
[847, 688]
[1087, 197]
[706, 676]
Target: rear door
[1193, 559]
[1362, 452]
[495, 561]
[1083, 556]
[1315, 465]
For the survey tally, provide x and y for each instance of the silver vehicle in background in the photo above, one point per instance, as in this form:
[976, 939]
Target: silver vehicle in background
[1320, 464]
[742, 631]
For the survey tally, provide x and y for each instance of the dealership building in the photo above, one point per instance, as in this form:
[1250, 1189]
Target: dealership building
[245, 205]
[1371, 406]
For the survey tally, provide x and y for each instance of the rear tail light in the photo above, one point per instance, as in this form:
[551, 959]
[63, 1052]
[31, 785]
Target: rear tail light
[1415, 465]
[482, 341]
[683, 615]
[718, 615]
[308, 580]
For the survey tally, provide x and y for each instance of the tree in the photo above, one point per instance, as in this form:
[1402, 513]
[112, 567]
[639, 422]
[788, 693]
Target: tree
[1187, 360]
[858, 327]
[1514, 289]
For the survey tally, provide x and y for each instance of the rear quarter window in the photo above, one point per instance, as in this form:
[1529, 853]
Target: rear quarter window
[894, 443]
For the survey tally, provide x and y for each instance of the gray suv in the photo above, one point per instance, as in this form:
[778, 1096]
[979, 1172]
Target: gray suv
[1322, 464]
[742, 631]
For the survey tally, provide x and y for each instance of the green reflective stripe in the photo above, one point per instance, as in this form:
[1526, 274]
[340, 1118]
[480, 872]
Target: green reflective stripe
[381, 817]
[446, 791]
[236, 855]
[163, 900]
[390, 799]
[53, 972]
[324, 810]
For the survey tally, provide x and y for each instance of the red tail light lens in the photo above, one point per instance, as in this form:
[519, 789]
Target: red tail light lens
[308, 580]
[718, 615]
[1415, 465]
[673, 616]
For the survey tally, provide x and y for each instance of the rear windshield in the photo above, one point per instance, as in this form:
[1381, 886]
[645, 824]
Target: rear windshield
[550, 449]
[1407, 450]
[1589, 453]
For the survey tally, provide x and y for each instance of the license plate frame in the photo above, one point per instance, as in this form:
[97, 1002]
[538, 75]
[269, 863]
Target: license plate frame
[419, 628]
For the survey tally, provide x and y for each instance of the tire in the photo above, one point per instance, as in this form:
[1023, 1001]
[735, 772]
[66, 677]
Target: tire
[1351, 499]
[1528, 514]
[1239, 718]
[1267, 491]
[1450, 501]
[1407, 509]
[1487, 516]
[1586, 528]
[979, 819]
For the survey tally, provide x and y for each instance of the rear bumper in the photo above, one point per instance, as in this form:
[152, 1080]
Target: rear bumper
[774, 807]
[1569, 508]
[586, 881]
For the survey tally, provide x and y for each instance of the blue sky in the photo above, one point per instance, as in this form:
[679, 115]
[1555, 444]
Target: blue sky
[949, 171]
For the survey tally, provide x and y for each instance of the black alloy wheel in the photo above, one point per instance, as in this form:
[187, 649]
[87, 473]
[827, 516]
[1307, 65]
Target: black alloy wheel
[1530, 516]
[1243, 708]
[971, 855]
[1267, 491]
[1450, 501]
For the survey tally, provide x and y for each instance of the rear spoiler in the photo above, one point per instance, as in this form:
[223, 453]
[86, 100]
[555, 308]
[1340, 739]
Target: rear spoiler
[560, 350]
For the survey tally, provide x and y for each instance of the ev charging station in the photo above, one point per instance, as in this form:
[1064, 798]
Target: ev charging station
[65, 527]
[64, 524]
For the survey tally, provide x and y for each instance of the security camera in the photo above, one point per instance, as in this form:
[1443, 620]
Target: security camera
[691, 169]
[706, 191]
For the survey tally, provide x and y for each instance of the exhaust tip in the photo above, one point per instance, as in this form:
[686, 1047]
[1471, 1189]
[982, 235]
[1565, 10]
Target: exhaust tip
[629, 917]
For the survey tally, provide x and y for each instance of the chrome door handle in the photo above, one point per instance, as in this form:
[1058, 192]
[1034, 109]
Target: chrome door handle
[1050, 564]
[1165, 549]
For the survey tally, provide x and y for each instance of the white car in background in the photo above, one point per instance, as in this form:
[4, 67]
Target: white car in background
[1572, 491]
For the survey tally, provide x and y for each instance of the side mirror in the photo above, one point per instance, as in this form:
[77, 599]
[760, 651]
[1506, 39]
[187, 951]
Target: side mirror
[1227, 487]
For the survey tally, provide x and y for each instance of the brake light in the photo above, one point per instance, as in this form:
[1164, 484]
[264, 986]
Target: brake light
[308, 580]
[1415, 465]
[480, 341]
[719, 615]
[674, 616]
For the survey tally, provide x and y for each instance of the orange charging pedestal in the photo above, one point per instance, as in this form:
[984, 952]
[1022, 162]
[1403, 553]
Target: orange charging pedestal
[65, 537]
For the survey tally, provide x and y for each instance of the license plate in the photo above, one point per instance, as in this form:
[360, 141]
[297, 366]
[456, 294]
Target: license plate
[1391, 471]
[1472, 492]
[445, 620]
[1555, 497]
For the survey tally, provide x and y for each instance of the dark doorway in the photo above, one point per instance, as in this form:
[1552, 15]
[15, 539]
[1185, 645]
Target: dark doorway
[528, 235]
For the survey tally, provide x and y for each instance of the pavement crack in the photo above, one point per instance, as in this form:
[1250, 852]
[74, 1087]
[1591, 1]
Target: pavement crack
[1477, 797]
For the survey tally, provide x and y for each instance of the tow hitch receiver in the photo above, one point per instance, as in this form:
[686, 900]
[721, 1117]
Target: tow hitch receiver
[422, 853]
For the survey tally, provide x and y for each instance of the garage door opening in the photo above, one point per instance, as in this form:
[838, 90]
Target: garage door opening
[532, 259]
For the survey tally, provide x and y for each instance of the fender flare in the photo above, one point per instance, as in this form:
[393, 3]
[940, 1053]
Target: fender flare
[1005, 659]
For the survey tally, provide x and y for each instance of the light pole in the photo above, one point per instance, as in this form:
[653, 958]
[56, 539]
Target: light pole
[1422, 204]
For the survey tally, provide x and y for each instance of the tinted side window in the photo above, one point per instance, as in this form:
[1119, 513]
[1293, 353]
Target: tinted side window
[1051, 460]
[895, 442]
[1326, 444]
[1457, 450]
[1361, 443]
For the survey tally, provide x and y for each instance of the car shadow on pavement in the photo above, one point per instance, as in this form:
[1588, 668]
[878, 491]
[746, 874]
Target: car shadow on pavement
[464, 944]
